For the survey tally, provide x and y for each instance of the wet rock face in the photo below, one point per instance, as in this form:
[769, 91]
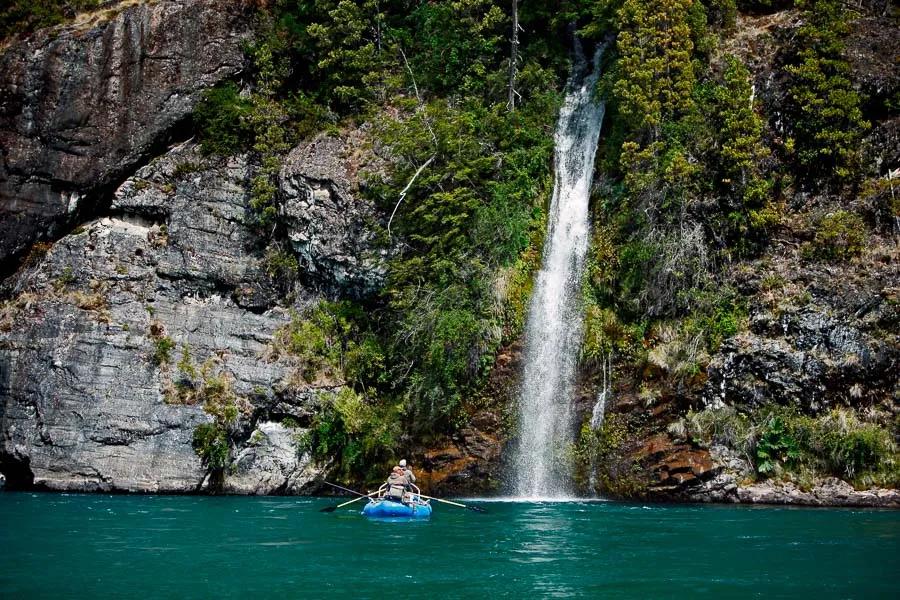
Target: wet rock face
[80, 108]
[333, 230]
[85, 404]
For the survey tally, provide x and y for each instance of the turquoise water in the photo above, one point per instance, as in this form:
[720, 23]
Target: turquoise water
[202, 547]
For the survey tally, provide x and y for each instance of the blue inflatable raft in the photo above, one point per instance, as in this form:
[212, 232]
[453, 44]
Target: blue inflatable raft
[385, 507]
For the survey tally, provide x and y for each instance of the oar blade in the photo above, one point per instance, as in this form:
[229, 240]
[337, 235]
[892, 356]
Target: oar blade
[328, 509]
[477, 509]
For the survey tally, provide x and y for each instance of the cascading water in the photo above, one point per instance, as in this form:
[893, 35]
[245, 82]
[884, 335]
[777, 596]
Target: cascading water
[553, 329]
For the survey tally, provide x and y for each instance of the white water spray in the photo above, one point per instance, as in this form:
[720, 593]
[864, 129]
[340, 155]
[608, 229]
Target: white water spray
[553, 329]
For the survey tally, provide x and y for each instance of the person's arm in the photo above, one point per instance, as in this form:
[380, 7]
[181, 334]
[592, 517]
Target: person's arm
[410, 476]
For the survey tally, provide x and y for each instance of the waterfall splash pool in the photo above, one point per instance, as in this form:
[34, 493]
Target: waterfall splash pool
[84, 546]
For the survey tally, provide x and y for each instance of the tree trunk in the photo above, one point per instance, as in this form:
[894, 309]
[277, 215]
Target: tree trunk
[514, 56]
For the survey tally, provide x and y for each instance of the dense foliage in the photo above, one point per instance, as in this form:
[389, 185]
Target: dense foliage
[824, 108]
[466, 192]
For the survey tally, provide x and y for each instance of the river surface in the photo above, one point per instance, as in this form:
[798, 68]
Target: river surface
[82, 546]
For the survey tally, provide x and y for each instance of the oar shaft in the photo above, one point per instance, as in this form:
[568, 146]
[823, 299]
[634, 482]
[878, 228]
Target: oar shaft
[444, 501]
[340, 487]
[356, 500]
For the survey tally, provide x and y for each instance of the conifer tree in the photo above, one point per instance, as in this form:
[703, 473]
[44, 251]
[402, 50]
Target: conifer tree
[824, 112]
[739, 151]
[656, 75]
[739, 129]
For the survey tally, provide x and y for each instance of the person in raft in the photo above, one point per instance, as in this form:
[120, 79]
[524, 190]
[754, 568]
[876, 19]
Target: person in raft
[407, 471]
[398, 477]
[397, 485]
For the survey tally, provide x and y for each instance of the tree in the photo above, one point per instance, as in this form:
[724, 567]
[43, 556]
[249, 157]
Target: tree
[739, 150]
[457, 43]
[824, 115]
[656, 77]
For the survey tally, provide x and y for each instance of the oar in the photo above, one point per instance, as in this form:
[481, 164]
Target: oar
[329, 509]
[334, 485]
[466, 506]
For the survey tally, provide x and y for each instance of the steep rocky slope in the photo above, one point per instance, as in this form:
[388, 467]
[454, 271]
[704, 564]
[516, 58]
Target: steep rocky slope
[82, 106]
[163, 267]
[818, 334]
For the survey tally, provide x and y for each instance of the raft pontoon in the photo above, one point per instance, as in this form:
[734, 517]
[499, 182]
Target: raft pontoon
[393, 501]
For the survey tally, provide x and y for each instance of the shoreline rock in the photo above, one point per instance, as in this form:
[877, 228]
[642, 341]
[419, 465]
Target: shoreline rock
[831, 492]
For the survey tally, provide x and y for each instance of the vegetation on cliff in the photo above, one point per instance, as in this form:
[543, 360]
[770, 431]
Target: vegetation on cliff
[695, 183]
[24, 16]
[465, 192]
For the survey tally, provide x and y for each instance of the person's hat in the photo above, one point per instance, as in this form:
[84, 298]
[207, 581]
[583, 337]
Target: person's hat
[403, 463]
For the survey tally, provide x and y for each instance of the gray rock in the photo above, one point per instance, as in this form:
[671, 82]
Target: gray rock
[80, 108]
[83, 406]
[332, 229]
[828, 492]
[271, 463]
[807, 358]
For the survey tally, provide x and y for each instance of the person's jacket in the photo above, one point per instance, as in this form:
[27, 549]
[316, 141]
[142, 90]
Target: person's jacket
[397, 479]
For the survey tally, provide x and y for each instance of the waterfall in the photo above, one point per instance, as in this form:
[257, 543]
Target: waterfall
[553, 328]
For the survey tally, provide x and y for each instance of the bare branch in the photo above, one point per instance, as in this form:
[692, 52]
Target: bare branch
[405, 190]
[514, 57]
[419, 98]
[411, 75]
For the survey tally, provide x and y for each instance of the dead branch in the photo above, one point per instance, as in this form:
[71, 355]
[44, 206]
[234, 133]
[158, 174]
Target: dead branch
[405, 190]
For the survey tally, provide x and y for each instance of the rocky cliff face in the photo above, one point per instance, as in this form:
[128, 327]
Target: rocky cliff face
[332, 230]
[83, 397]
[164, 285]
[819, 334]
[82, 106]
[155, 271]
[86, 386]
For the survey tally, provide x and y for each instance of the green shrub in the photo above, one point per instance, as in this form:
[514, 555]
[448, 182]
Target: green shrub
[162, 353]
[853, 449]
[333, 340]
[220, 118]
[781, 441]
[212, 445]
[360, 434]
[212, 441]
[855, 452]
[185, 365]
[65, 279]
[725, 426]
[185, 168]
[840, 235]
[776, 447]
[282, 266]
